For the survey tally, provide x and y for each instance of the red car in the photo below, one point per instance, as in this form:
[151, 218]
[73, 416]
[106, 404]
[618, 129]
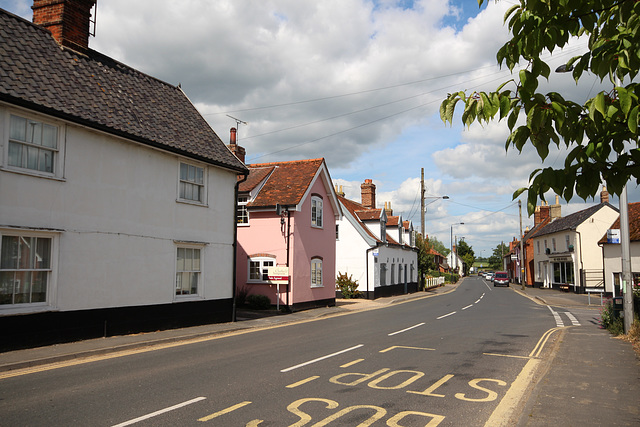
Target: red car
[501, 278]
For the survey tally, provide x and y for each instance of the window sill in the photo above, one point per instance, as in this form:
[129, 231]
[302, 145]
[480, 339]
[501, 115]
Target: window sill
[34, 174]
[317, 286]
[6, 310]
[192, 203]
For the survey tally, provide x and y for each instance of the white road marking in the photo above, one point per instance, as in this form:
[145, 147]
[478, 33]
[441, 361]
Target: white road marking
[556, 316]
[573, 319]
[321, 358]
[470, 305]
[405, 330]
[446, 315]
[161, 411]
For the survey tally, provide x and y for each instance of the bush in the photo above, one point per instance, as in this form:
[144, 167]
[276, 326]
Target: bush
[347, 286]
[241, 297]
[258, 302]
[609, 320]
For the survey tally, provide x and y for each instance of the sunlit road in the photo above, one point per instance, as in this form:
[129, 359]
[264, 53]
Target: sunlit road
[446, 360]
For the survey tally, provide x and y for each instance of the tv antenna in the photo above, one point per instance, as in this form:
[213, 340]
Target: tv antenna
[238, 121]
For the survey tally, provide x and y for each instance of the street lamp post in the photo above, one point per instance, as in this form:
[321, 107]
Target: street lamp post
[453, 253]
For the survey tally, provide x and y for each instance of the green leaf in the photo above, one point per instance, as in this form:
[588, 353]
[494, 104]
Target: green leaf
[599, 103]
[625, 100]
[632, 123]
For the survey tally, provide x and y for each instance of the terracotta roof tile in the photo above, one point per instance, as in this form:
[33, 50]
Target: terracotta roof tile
[634, 223]
[287, 182]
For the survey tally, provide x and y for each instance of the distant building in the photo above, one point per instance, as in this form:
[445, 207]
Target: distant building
[376, 248]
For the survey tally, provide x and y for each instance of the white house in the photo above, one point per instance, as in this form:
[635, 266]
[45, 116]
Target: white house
[566, 251]
[612, 252]
[117, 199]
[365, 249]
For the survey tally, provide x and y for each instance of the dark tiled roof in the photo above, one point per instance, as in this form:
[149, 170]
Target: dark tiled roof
[571, 222]
[101, 93]
[287, 183]
[634, 223]
[536, 229]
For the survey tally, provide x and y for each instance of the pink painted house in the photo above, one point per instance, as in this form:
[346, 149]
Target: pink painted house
[287, 213]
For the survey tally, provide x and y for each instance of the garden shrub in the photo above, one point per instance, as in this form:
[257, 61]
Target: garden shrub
[347, 286]
[258, 302]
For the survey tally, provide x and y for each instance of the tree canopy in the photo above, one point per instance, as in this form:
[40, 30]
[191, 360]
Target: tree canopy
[594, 132]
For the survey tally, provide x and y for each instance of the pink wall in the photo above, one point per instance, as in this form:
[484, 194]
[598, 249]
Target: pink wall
[263, 235]
[311, 242]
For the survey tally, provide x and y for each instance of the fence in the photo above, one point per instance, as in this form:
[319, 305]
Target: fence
[433, 282]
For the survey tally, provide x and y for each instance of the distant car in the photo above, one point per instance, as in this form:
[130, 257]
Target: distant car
[501, 279]
[487, 275]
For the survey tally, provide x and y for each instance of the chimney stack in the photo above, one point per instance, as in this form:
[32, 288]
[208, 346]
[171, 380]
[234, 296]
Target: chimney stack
[68, 21]
[604, 195]
[554, 210]
[387, 208]
[368, 194]
[237, 150]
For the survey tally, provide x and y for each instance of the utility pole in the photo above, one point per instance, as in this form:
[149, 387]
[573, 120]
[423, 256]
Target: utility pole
[422, 203]
[627, 282]
[522, 268]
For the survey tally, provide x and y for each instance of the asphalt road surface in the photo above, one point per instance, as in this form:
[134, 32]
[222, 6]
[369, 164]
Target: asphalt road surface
[459, 359]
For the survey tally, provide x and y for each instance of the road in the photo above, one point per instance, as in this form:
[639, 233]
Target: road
[456, 359]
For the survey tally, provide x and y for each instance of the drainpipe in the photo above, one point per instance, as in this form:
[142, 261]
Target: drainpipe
[288, 243]
[581, 264]
[235, 245]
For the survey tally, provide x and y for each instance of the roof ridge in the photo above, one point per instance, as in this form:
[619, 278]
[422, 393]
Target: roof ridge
[252, 165]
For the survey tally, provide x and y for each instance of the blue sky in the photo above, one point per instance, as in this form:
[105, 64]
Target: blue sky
[354, 81]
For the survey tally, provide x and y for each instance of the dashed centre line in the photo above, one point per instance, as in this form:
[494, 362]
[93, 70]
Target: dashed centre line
[405, 330]
[321, 358]
[446, 315]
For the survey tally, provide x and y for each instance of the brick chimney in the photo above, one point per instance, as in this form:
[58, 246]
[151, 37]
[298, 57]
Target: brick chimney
[368, 194]
[237, 150]
[68, 21]
[604, 195]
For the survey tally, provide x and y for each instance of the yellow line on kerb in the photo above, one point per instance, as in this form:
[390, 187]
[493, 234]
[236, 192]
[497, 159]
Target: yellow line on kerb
[501, 416]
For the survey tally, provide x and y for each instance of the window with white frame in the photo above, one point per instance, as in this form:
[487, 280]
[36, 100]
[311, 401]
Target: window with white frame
[191, 183]
[25, 269]
[567, 240]
[553, 243]
[188, 270]
[538, 245]
[242, 212]
[34, 146]
[259, 268]
[316, 272]
[399, 273]
[337, 232]
[316, 211]
[393, 274]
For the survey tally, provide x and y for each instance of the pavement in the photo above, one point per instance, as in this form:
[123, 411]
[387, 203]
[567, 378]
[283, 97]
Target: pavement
[590, 377]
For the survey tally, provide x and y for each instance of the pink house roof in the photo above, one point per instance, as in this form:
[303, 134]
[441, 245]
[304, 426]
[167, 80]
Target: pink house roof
[286, 182]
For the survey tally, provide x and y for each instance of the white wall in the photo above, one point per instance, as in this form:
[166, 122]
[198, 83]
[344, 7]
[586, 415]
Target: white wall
[119, 220]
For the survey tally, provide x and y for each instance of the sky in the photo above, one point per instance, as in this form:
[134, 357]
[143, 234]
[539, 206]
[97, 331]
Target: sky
[357, 82]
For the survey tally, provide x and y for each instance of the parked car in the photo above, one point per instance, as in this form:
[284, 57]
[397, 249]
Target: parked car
[501, 279]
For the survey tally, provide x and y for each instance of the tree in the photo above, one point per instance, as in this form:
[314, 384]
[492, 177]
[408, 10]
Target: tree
[425, 260]
[595, 131]
[465, 252]
[495, 260]
[438, 246]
